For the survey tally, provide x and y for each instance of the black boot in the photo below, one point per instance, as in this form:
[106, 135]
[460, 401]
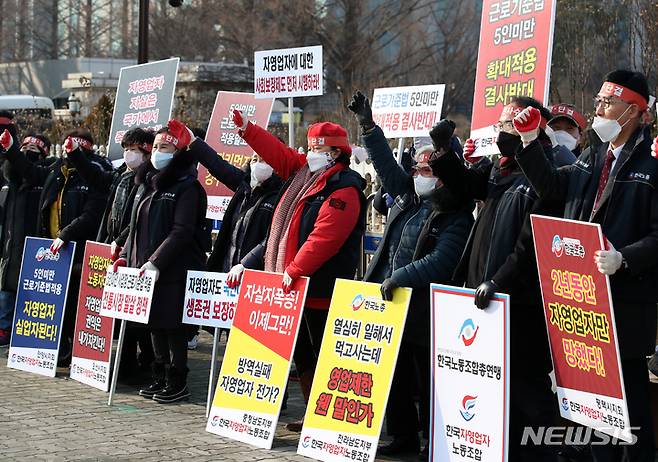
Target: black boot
[407, 444]
[158, 384]
[176, 389]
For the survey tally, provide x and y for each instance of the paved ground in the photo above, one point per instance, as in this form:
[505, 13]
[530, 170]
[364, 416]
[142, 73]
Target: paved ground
[60, 419]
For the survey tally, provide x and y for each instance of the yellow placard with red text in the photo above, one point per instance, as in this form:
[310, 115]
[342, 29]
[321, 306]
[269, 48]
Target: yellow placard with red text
[353, 376]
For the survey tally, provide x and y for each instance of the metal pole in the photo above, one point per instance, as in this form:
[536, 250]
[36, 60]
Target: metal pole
[115, 373]
[143, 35]
[211, 379]
[291, 124]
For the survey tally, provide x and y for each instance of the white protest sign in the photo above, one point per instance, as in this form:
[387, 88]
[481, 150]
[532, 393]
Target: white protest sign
[289, 72]
[405, 112]
[208, 300]
[470, 376]
[127, 295]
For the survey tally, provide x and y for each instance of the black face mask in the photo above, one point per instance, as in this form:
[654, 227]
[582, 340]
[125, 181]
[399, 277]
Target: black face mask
[32, 156]
[508, 144]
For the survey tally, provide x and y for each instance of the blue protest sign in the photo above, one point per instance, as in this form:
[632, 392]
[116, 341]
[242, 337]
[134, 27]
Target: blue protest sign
[40, 303]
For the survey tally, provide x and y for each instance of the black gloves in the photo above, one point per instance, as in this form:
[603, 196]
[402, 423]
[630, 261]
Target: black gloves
[484, 293]
[360, 106]
[441, 134]
[387, 289]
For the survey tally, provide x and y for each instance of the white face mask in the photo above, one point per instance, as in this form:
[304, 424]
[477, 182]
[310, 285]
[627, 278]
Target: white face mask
[607, 129]
[160, 160]
[260, 172]
[318, 160]
[133, 158]
[424, 185]
[564, 138]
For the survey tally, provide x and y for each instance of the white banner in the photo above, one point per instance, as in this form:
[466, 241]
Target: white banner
[288, 72]
[208, 300]
[470, 376]
[404, 112]
[127, 295]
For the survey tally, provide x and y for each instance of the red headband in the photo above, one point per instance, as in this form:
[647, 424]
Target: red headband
[36, 141]
[625, 94]
[166, 137]
[328, 141]
[83, 143]
[6, 121]
[148, 147]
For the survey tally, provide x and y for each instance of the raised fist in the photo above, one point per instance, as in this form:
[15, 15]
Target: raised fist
[6, 140]
[239, 119]
[469, 150]
[360, 106]
[526, 124]
[179, 130]
[70, 144]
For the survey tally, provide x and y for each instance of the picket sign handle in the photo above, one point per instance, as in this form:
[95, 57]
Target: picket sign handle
[213, 363]
[115, 373]
[291, 124]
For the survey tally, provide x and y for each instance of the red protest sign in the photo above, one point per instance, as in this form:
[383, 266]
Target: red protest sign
[92, 340]
[581, 323]
[267, 314]
[514, 59]
[222, 135]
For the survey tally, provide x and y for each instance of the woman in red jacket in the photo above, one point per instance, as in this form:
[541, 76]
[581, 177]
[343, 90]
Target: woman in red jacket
[316, 228]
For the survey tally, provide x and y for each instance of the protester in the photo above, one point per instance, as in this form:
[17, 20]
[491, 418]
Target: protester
[19, 202]
[499, 257]
[68, 210]
[120, 187]
[424, 237]
[616, 186]
[568, 126]
[316, 228]
[249, 213]
[169, 235]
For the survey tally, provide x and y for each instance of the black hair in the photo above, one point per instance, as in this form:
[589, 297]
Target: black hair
[199, 132]
[137, 136]
[635, 81]
[7, 114]
[527, 101]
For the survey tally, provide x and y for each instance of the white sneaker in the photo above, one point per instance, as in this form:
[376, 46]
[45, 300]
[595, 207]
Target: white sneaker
[192, 344]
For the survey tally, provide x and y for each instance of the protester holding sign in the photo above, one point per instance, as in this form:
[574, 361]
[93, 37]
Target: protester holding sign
[615, 185]
[249, 212]
[121, 188]
[316, 228]
[68, 209]
[425, 235]
[19, 202]
[500, 257]
[169, 235]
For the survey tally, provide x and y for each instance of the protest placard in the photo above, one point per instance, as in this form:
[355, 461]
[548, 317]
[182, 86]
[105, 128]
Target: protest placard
[144, 98]
[470, 376]
[209, 301]
[92, 337]
[353, 376]
[514, 59]
[256, 364]
[223, 137]
[581, 325]
[127, 295]
[403, 112]
[40, 303]
[289, 72]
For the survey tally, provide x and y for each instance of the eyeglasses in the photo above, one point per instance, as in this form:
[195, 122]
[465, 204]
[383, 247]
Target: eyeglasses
[503, 126]
[606, 101]
[422, 171]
